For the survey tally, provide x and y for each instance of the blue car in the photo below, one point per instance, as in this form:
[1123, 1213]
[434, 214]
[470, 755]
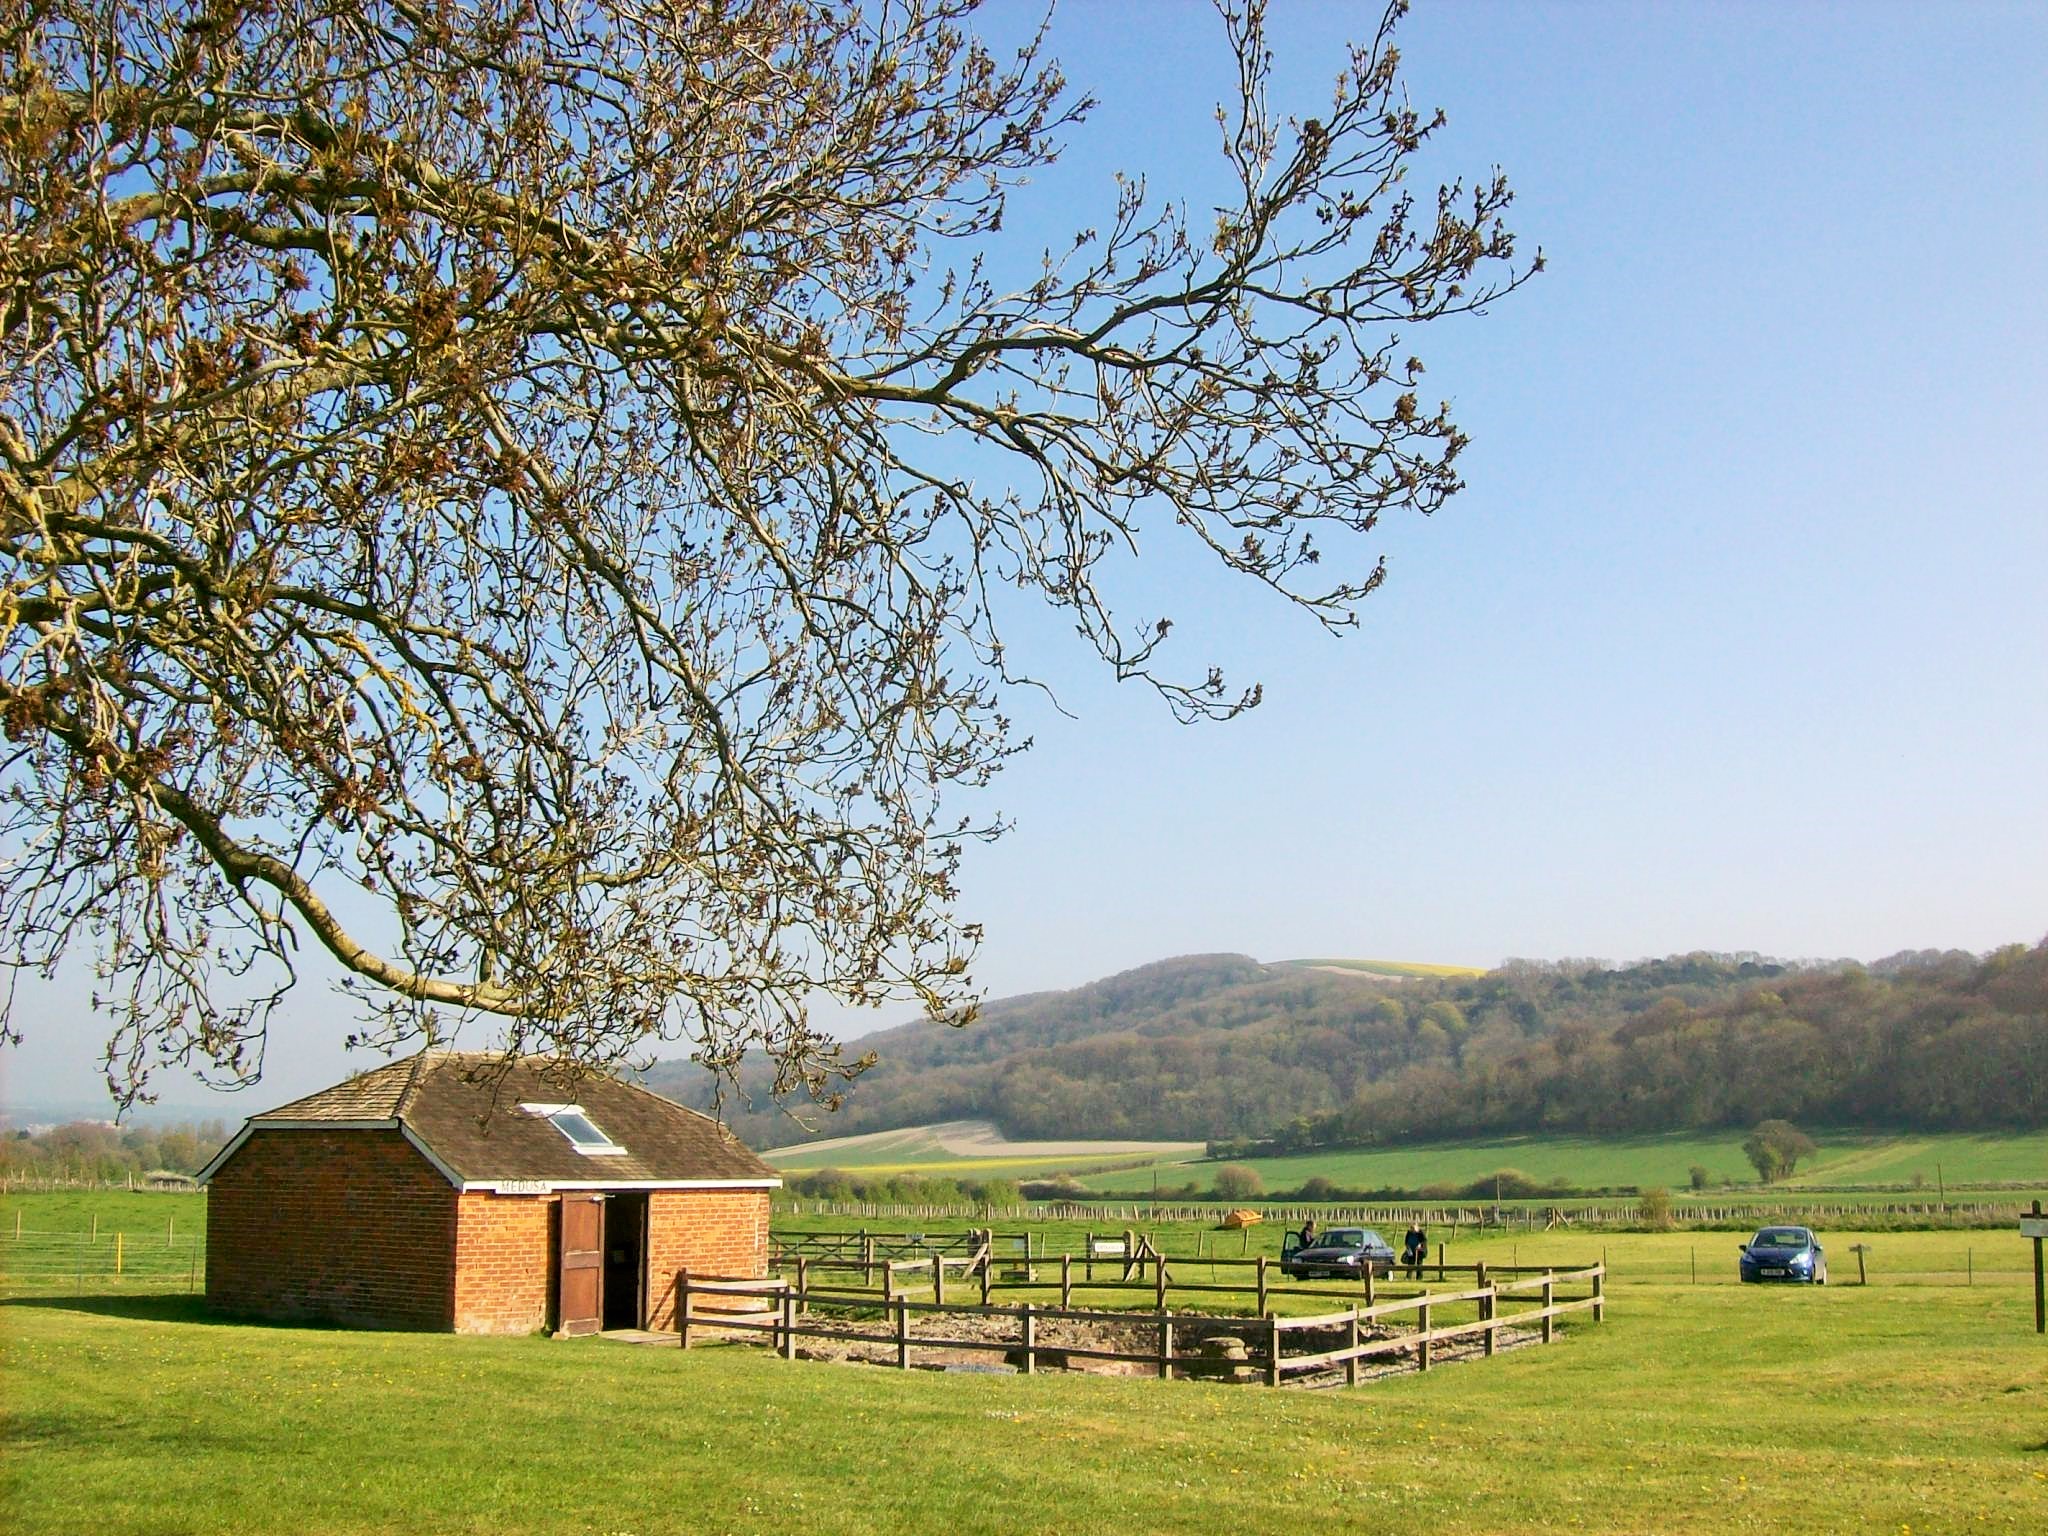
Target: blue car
[1791, 1254]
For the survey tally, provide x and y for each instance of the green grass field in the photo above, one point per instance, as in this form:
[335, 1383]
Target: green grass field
[1945, 1258]
[925, 1150]
[1914, 1405]
[106, 1240]
[1845, 1158]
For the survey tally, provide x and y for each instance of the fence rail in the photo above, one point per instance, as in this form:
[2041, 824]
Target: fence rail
[786, 1310]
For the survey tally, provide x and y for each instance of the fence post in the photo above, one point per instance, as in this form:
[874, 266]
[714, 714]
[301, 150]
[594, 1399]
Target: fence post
[888, 1280]
[1066, 1281]
[120, 1242]
[902, 1334]
[1272, 1349]
[1351, 1343]
[170, 1233]
[1030, 1341]
[1370, 1284]
[683, 1307]
[1600, 1293]
[803, 1284]
[988, 1264]
[1262, 1282]
[1549, 1298]
[1422, 1324]
[1166, 1346]
[95, 1227]
[1487, 1305]
[938, 1279]
[1130, 1252]
[788, 1323]
[1159, 1276]
[1439, 1263]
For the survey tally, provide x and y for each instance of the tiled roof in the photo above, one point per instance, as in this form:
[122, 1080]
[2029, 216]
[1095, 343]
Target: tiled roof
[464, 1109]
[372, 1095]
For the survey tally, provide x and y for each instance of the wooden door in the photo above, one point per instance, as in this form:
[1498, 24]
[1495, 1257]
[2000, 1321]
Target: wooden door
[582, 1265]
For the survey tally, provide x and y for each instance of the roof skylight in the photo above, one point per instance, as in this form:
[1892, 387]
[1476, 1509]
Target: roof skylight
[574, 1122]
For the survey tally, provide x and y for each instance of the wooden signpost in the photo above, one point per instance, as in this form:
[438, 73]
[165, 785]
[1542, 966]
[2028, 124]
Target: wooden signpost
[2035, 1225]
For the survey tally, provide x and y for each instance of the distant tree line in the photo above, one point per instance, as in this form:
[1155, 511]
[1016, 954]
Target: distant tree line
[1945, 1042]
[1294, 1058]
[91, 1150]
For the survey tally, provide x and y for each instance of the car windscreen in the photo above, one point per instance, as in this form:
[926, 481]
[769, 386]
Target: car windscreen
[1342, 1237]
[1780, 1237]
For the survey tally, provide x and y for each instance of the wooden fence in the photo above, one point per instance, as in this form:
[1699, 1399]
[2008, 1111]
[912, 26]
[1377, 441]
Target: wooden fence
[786, 1310]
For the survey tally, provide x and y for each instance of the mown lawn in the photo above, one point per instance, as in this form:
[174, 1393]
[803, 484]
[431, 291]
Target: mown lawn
[1898, 1407]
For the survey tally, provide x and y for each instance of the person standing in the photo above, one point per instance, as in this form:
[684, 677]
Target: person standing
[1415, 1248]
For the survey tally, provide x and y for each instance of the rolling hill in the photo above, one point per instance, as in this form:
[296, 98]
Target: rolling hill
[1322, 1052]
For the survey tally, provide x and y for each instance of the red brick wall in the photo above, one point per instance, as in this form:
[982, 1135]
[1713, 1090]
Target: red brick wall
[357, 1227]
[504, 1262]
[338, 1226]
[707, 1231]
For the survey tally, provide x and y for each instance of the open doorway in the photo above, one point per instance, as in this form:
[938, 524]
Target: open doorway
[625, 1258]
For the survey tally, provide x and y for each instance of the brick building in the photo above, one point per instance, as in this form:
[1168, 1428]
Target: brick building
[452, 1191]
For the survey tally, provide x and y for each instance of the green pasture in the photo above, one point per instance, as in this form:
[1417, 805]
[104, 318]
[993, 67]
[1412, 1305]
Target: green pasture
[911, 1146]
[1916, 1404]
[68, 1241]
[938, 1163]
[1848, 1157]
[918, 1150]
[1949, 1259]
[73, 1210]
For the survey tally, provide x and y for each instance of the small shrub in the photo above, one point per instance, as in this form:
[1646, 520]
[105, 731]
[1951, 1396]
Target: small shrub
[1508, 1184]
[1654, 1206]
[1700, 1176]
[1061, 1187]
[1234, 1181]
[996, 1192]
[1317, 1188]
[1775, 1148]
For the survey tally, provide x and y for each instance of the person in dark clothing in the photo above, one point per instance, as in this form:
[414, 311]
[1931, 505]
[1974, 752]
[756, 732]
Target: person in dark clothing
[1308, 1233]
[1414, 1249]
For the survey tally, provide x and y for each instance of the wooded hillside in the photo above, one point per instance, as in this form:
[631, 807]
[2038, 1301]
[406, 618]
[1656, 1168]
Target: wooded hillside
[1219, 1046]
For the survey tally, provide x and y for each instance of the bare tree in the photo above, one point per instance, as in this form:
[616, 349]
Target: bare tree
[485, 484]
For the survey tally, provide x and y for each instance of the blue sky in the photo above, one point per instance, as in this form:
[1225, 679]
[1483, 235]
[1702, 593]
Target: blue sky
[1737, 639]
